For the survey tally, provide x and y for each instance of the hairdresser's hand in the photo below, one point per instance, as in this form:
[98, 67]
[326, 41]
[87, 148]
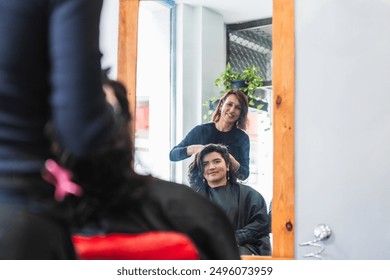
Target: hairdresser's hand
[194, 149]
[235, 164]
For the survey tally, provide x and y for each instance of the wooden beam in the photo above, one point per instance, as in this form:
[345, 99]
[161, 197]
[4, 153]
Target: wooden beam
[127, 53]
[283, 49]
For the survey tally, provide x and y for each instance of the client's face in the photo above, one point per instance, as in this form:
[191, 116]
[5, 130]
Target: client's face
[214, 169]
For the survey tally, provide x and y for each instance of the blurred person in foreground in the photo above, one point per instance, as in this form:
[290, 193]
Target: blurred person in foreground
[49, 72]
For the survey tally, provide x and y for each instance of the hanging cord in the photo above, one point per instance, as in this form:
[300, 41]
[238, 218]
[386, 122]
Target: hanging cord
[316, 254]
[321, 232]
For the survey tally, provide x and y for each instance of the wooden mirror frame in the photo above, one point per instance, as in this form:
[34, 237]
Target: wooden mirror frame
[283, 119]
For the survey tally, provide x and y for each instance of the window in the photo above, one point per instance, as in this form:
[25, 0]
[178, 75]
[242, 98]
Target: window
[154, 89]
[250, 43]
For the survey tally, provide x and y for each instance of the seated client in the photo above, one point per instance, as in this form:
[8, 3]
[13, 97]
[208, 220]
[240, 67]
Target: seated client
[211, 175]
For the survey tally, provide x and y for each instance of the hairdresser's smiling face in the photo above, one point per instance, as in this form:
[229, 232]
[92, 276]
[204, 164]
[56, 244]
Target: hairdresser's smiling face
[215, 169]
[231, 109]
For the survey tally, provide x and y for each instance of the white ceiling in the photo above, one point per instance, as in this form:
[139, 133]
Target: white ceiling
[235, 11]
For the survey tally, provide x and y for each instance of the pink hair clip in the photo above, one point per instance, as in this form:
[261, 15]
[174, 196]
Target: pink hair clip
[61, 179]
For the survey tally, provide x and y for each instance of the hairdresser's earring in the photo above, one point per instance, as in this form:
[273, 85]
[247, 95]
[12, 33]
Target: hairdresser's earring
[228, 175]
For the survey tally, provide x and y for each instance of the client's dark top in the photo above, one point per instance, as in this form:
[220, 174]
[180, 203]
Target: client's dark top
[246, 209]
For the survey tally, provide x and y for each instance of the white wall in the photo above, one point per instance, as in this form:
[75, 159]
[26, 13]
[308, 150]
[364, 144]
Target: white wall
[342, 128]
[109, 35]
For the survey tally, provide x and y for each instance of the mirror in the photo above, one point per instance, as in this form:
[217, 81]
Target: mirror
[283, 112]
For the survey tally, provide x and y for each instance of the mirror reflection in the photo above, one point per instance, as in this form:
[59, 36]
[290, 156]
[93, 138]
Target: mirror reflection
[183, 46]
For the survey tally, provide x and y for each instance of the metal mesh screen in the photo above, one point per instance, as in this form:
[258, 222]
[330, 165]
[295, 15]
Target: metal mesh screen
[251, 47]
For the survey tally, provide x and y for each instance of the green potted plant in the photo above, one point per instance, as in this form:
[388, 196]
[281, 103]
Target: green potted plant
[247, 80]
